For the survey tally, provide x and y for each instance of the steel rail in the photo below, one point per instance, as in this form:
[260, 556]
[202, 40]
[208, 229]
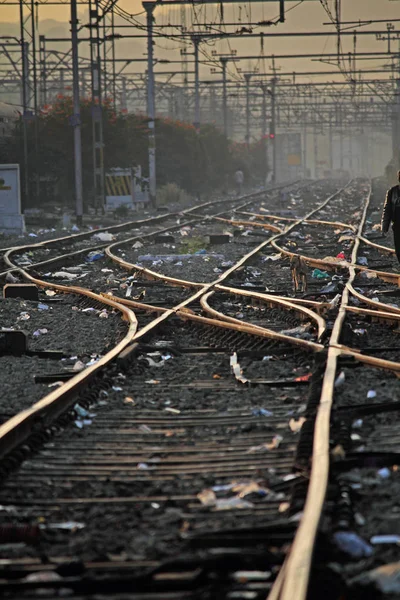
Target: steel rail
[335, 264]
[338, 224]
[383, 249]
[268, 332]
[299, 560]
[185, 283]
[220, 321]
[17, 429]
[275, 300]
[123, 227]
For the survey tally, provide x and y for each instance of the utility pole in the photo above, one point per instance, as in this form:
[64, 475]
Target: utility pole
[43, 70]
[196, 41]
[97, 111]
[247, 77]
[76, 117]
[149, 8]
[224, 96]
[25, 92]
[272, 129]
[264, 131]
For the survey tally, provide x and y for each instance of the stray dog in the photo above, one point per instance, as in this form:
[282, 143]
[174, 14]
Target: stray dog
[298, 270]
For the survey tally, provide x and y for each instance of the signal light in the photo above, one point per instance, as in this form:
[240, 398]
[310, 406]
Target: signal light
[271, 136]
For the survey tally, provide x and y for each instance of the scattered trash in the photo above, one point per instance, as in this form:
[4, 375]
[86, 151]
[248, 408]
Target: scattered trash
[304, 377]
[103, 236]
[77, 269]
[302, 332]
[32, 235]
[66, 525]
[207, 497]
[352, 544]
[272, 257]
[317, 274]
[329, 288]
[50, 293]
[175, 411]
[360, 331]
[103, 314]
[143, 466]
[39, 332]
[262, 447]
[80, 423]
[80, 411]
[144, 428]
[78, 366]
[24, 316]
[385, 539]
[371, 394]
[357, 424]
[385, 578]
[42, 576]
[63, 275]
[129, 400]
[137, 245]
[262, 412]
[384, 473]
[116, 388]
[363, 261]
[340, 379]
[43, 306]
[335, 302]
[341, 255]
[74, 228]
[93, 256]
[236, 369]
[10, 278]
[295, 426]
[232, 503]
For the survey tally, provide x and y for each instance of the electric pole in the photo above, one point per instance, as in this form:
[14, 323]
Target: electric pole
[149, 8]
[224, 96]
[76, 117]
[272, 129]
[196, 41]
[247, 77]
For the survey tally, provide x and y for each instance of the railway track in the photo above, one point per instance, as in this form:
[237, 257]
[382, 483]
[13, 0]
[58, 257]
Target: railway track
[202, 474]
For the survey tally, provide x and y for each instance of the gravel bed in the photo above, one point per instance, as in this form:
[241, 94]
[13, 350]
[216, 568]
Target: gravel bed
[362, 379]
[63, 323]
[156, 530]
[206, 266]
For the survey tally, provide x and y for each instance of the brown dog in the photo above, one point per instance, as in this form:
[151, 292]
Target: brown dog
[298, 269]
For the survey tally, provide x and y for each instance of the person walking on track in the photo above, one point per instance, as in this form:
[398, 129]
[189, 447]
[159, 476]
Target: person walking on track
[391, 214]
[239, 180]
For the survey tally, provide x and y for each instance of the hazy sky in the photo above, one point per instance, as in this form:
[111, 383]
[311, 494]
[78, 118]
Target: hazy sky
[307, 16]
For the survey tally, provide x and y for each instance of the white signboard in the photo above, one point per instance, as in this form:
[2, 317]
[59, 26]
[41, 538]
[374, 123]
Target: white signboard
[11, 220]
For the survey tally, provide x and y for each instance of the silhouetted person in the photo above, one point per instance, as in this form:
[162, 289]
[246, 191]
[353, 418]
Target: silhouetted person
[391, 214]
[239, 180]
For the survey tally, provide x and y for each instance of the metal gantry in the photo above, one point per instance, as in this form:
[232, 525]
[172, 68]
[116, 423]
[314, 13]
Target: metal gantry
[250, 106]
